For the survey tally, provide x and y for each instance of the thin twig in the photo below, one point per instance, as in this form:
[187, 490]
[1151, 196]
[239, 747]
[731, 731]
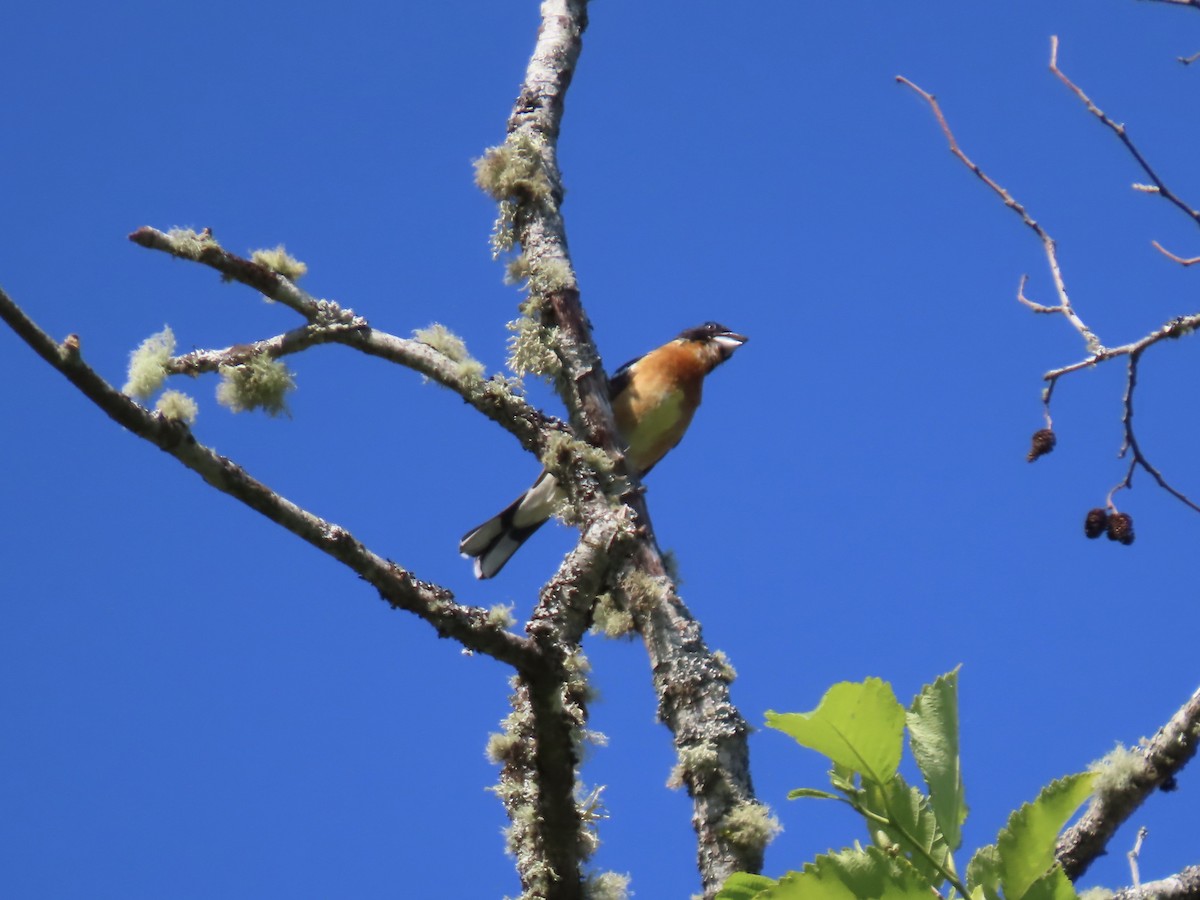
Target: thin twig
[1122, 134]
[1097, 352]
[1189, 261]
[1130, 443]
[1176, 328]
[1134, 854]
[1064, 303]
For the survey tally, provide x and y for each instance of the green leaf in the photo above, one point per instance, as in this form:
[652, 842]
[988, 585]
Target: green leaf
[744, 886]
[1054, 885]
[983, 872]
[853, 875]
[1026, 845]
[860, 726]
[933, 735]
[843, 778]
[912, 827]
[812, 792]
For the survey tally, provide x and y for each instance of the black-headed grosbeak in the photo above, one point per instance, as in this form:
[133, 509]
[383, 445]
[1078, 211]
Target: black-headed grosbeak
[653, 400]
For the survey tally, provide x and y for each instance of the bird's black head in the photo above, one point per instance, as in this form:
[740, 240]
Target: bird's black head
[716, 335]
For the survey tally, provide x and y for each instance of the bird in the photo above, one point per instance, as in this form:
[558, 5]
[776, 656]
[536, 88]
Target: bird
[653, 400]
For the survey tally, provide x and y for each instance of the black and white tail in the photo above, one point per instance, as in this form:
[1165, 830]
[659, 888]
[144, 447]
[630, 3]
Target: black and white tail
[494, 542]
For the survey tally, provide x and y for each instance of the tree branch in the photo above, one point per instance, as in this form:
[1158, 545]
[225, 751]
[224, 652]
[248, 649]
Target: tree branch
[1162, 758]
[202, 247]
[1158, 187]
[710, 734]
[1064, 303]
[399, 588]
[691, 683]
[1098, 353]
[330, 323]
[1184, 885]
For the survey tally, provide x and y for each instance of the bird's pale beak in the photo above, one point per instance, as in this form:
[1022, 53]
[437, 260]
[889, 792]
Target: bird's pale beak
[729, 341]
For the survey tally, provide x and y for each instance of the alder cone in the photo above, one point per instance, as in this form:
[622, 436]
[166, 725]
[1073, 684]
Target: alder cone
[1043, 442]
[1120, 528]
[1096, 522]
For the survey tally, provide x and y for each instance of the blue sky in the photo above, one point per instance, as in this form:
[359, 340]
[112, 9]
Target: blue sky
[198, 705]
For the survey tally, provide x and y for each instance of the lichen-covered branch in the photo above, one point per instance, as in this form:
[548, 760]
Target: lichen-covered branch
[202, 247]
[710, 734]
[523, 175]
[1183, 885]
[328, 323]
[1158, 762]
[469, 625]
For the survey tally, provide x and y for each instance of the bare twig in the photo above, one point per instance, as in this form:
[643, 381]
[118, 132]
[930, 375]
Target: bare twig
[1121, 133]
[1098, 353]
[1190, 261]
[1134, 854]
[1162, 757]
[1130, 443]
[1064, 303]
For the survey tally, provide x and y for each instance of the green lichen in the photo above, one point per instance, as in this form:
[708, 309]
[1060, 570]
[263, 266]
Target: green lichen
[531, 349]
[178, 406]
[450, 345]
[611, 619]
[148, 364]
[190, 244]
[258, 383]
[695, 761]
[750, 825]
[606, 886]
[279, 260]
[1118, 770]
[514, 170]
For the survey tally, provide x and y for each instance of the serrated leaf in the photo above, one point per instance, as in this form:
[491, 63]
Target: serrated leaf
[744, 886]
[983, 872]
[811, 792]
[853, 875]
[933, 735]
[857, 725]
[913, 827]
[1054, 885]
[1026, 845]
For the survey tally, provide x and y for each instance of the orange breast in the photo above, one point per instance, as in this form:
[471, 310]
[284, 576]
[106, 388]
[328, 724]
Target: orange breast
[655, 409]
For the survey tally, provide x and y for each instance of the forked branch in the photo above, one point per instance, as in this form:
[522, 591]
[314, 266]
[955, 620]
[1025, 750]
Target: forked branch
[397, 586]
[1098, 353]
